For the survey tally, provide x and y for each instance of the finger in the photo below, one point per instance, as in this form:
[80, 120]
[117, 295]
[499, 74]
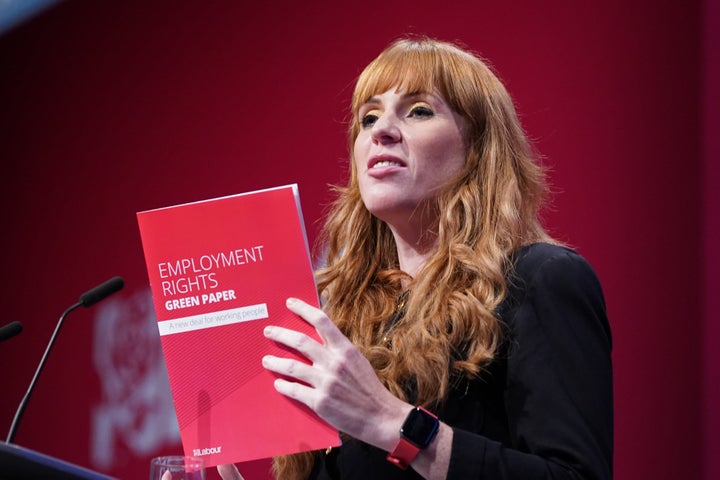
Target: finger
[327, 330]
[296, 391]
[229, 472]
[290, 368]
[298, 341]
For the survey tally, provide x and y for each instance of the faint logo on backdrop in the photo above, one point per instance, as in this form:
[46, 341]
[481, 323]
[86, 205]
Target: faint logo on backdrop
[136, 409]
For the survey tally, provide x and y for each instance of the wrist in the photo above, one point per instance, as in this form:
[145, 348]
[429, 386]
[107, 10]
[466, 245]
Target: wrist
[417, 432]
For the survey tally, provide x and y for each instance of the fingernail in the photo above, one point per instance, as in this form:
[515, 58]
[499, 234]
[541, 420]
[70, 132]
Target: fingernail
[267, 331]
[290, 301]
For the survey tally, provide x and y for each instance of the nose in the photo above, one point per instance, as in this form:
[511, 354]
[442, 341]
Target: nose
[386, 130]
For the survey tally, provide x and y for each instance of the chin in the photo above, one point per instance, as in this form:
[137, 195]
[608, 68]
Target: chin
[391, 212]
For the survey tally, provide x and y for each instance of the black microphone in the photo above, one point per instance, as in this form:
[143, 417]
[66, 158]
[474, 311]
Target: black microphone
[10, 330]
[91, 297]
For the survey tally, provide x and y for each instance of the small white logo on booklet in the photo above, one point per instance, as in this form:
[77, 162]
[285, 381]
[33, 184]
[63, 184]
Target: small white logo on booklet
[197, 452]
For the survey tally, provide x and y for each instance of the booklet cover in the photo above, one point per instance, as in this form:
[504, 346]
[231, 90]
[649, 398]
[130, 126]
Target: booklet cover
[220, 271]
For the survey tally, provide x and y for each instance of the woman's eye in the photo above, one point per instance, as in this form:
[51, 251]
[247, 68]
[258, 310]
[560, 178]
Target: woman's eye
[421, 112]
[368, 120]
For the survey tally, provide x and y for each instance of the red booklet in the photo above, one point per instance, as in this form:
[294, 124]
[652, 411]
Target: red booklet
[220, 271]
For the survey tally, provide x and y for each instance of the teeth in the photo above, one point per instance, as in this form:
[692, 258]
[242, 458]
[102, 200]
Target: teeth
[385, 163]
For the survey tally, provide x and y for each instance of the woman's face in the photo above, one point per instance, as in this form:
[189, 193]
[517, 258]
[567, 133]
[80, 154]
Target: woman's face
[408, 147]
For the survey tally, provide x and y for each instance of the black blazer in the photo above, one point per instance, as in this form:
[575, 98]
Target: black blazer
[543, 409]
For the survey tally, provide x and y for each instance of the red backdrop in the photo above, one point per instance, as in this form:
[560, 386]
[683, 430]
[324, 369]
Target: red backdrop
[109, 108]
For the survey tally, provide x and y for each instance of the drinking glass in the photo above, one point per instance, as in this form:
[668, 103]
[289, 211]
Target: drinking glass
[177, 467]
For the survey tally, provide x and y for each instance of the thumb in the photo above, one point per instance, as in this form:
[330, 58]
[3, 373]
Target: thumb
[229, 472]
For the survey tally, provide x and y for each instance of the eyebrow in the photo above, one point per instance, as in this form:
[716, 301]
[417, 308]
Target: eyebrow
[409, 95]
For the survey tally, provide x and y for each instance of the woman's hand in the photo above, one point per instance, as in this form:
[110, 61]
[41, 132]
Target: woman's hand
[229, 472]
[340, 385]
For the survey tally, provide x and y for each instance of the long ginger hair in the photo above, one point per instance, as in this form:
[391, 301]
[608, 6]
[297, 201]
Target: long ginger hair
[449, 331]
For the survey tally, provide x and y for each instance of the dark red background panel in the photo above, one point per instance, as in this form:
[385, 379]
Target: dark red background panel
[109, 108]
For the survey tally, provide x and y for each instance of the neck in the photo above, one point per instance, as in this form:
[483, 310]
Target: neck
[414, 249]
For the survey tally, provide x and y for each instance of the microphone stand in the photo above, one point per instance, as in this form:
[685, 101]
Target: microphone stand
[91, 297]
[24, 402]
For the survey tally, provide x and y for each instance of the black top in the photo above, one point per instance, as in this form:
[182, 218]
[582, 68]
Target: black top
[543, 409]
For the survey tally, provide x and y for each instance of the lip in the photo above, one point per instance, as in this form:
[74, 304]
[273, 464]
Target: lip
[385, 158]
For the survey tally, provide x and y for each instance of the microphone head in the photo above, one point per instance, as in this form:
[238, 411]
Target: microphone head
[10, 330]
[91, 297]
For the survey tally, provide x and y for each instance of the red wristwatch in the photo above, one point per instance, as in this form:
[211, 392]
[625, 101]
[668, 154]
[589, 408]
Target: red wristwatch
[417, 432]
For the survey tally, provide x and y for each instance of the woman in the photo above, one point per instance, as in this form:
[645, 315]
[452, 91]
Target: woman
[446, 293]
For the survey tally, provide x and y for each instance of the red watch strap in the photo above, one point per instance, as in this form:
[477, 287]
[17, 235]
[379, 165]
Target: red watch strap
[403, 454]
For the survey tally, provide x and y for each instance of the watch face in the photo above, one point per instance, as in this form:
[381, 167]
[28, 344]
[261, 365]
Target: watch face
[420, 427]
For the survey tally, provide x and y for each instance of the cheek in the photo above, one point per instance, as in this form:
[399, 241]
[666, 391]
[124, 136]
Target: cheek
[358, 161]
[448, 154]
[358, 152]
[457, 150]
[356, 155]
